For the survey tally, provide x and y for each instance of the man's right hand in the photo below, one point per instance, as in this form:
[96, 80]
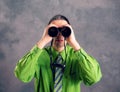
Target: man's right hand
[45, 37]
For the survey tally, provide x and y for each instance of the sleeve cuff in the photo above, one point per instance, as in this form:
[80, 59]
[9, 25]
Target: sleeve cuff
[81, 52]
[35, 49]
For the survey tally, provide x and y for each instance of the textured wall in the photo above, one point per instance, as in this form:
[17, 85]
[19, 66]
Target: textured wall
[97, 28]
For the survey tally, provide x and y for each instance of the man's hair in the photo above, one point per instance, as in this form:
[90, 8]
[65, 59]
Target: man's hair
[59, 17]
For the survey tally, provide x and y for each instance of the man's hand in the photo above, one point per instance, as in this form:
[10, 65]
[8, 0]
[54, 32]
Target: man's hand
[45, 37]
[72, 40]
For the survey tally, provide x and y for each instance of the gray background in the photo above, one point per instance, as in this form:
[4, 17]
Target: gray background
[97, 29]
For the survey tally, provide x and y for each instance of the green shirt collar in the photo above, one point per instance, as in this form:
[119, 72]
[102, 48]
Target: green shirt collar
[62, 53]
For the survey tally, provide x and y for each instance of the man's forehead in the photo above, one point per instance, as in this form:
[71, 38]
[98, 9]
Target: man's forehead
[59, 22]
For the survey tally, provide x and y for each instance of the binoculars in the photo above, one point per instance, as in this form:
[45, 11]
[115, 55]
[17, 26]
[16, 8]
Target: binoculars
[65, 31]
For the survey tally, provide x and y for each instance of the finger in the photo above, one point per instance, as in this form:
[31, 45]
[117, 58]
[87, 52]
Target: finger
[48, 26]
[52, 25]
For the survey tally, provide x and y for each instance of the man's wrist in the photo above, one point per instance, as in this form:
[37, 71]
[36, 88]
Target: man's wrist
[41, 44]
[75, 45]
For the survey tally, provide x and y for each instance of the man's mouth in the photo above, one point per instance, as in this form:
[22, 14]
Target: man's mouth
[59, 40]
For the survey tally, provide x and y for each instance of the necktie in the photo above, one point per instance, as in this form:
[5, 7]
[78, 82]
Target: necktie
[58, 76]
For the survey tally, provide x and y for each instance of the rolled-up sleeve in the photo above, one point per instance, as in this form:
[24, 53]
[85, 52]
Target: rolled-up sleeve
[89, 68]
[25, 68]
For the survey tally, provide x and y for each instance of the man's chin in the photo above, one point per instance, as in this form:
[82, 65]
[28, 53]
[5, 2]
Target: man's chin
[58, 45]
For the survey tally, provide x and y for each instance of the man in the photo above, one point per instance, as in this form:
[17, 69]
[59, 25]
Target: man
[42, 62]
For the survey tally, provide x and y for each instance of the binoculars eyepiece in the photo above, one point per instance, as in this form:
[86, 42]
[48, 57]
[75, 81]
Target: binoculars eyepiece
[65, 31]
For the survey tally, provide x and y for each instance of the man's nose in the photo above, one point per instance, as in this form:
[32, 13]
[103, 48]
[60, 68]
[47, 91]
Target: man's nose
[59, 34]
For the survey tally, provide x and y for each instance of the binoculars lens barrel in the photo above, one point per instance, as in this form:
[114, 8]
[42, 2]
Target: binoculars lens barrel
[53, 31]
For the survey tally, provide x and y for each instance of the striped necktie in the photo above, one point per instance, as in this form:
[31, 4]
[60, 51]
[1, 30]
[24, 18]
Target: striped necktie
[58, 76]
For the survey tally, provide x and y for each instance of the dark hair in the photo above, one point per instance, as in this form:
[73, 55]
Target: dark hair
[57, 17]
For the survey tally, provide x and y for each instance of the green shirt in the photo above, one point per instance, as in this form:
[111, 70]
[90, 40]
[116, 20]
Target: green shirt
[80, 67]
